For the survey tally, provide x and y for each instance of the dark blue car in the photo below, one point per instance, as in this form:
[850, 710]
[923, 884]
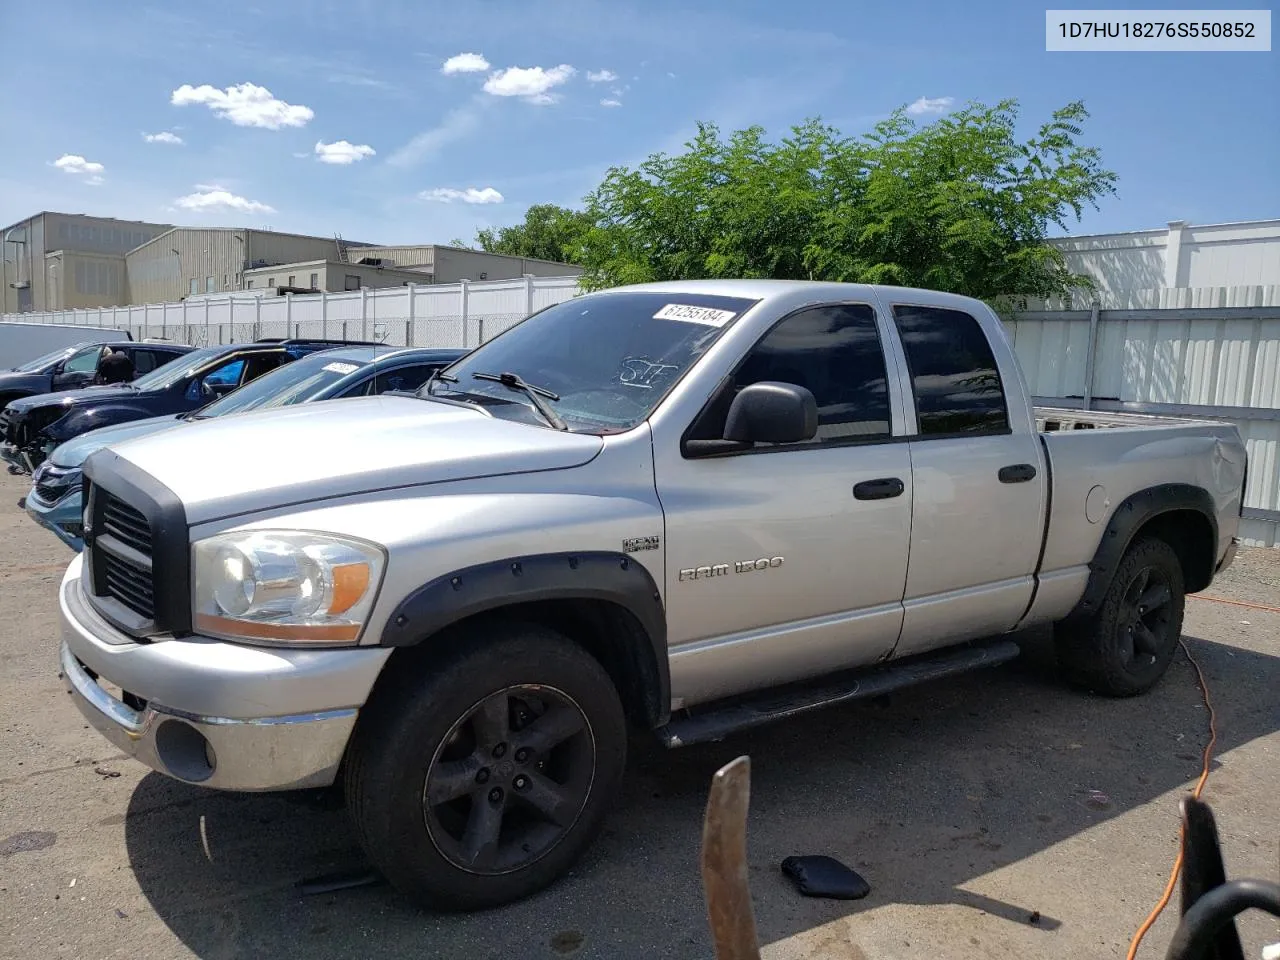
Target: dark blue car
[68, 368]
[54, 500]
[32, 426]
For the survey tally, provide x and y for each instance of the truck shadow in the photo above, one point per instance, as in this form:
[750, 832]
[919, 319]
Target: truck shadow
[921, 793]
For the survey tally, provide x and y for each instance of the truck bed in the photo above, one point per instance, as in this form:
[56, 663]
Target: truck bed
[1055, 419]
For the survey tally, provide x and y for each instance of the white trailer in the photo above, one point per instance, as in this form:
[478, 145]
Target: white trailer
[20, 342]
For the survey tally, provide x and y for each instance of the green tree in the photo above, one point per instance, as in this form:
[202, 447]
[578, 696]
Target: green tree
[959, 204]
[548, 232]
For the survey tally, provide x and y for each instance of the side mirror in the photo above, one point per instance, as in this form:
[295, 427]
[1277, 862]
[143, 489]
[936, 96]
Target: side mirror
[765, 412]
[772, 412]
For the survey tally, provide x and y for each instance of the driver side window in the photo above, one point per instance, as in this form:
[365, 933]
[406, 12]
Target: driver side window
[86, 361]
[834, 351]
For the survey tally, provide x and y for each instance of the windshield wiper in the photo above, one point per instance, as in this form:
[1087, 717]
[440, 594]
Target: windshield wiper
[437, 374]
[535, 394]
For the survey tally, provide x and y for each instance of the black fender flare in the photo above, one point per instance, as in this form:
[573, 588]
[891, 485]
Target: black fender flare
[486, 587]
[1124, 523]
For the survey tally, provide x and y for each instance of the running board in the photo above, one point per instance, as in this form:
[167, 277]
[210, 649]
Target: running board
[718, 721]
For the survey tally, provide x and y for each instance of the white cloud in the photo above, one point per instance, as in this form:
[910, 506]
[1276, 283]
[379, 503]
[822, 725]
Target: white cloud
[457, 124]
[601, 76]
[531, 83]
[342, 152]
[80, 167]
[245, 105]
[465, 63]
[213, 197]
[930, 105]
[610, 103]
[469, 195]
[163, 137]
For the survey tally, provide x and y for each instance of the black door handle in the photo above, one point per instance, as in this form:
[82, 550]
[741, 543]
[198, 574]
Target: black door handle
[881, 489]
[1017, 473]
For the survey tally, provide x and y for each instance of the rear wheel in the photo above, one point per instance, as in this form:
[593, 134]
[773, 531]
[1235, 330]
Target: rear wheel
[480, 779]
[1127, 645]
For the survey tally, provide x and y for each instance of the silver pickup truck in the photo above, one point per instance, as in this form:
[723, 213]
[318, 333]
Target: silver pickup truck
[687, 508]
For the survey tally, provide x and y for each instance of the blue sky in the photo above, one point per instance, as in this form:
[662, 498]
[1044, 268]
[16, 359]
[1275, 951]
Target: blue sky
[267, 98]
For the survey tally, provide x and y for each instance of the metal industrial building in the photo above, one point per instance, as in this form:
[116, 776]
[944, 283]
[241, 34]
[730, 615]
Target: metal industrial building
[59, 261]
[190, 260]
[396, 266]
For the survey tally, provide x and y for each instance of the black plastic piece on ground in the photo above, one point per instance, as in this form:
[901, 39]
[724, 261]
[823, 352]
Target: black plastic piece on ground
[1203, 871]
[756, 709]
[342, 880]
[1196, 936]
[819, 876]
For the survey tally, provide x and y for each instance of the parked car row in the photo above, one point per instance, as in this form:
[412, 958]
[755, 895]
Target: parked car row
[32, 426]
[354, 371]
[685, 508]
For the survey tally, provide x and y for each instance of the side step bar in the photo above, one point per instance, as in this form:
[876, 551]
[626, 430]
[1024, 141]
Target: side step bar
[742, 713]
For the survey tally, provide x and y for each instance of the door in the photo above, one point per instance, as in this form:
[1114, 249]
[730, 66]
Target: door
[799, 549]
[979, 498]
[78, 369]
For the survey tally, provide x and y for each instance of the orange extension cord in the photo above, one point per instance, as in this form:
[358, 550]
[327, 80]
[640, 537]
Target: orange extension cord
[1204, 776]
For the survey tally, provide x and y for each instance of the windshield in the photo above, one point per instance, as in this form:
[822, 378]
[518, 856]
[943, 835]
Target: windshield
[39, 363]
[293, 383]
[610, 358]
[165, 376]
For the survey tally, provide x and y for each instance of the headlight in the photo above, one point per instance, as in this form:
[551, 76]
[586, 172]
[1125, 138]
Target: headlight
[284, 586]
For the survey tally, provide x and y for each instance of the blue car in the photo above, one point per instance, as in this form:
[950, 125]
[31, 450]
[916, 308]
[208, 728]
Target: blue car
[33, 426]
[55, 500]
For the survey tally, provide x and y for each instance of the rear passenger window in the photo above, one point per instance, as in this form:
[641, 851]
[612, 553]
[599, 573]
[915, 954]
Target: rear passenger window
[835, 352]
[953, 372]
[144, 361]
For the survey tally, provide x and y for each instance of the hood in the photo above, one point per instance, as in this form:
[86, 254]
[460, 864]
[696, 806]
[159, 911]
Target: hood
[15, 378]
[70, 398]
[273, 458]
[73, 452]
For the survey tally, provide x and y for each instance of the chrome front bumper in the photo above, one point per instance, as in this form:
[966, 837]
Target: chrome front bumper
[225, 732]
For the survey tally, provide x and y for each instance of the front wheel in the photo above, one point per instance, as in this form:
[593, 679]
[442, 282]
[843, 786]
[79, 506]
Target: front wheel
[1127, 645]
[481, 778]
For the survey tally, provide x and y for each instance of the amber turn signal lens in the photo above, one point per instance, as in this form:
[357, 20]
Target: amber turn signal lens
[350, 581]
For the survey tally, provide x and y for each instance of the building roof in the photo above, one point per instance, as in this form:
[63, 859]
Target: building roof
[276, 233]
[91, 216]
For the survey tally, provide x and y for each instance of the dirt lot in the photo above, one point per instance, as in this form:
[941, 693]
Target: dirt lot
[969, 805]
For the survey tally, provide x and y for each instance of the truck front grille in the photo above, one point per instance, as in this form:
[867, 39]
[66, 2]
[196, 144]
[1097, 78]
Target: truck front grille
[136, 548]
[124, 577]
[125, 523]
[129, 584]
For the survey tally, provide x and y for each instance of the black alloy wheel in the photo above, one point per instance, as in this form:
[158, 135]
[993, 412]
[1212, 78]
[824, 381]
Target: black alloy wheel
[510, 779]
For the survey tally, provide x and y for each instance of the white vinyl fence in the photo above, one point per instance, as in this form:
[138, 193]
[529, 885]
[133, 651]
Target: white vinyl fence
[421, 315]
[1204, 352]
[1198, 352]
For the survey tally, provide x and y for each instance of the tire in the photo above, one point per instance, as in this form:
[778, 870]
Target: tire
[1125, 648]
[435, 758]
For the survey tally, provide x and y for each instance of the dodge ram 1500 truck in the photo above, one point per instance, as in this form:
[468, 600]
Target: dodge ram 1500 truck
[684, 507]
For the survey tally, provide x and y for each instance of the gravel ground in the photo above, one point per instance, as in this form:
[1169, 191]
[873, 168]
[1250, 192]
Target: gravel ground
[995, 815]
